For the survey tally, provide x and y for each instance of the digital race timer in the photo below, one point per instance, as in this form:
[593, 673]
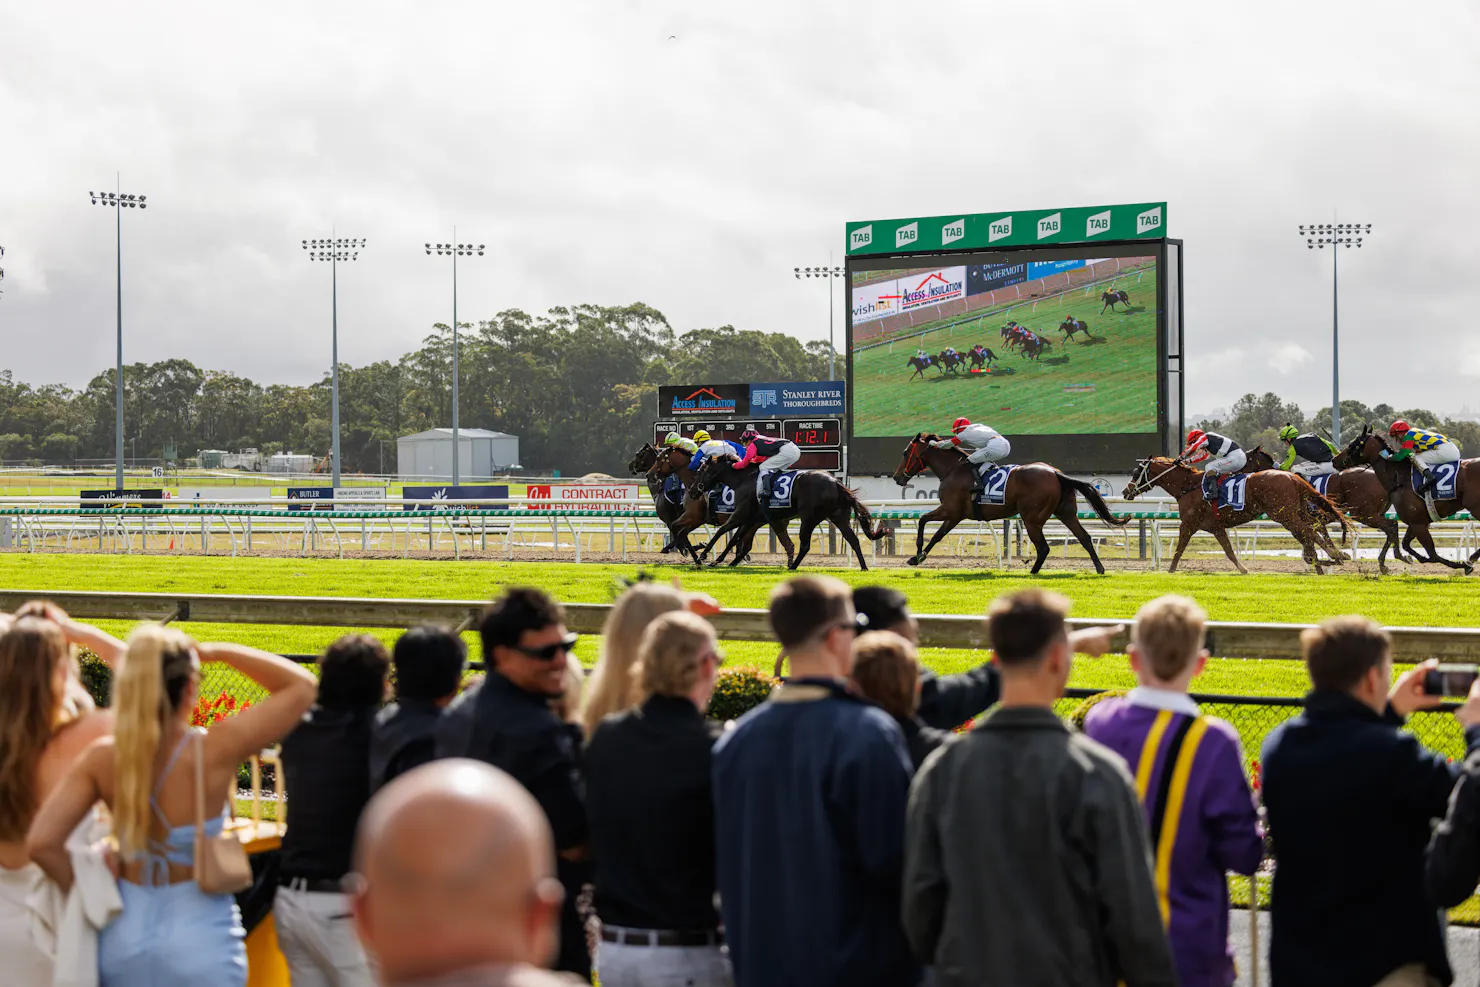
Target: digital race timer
[823, 433]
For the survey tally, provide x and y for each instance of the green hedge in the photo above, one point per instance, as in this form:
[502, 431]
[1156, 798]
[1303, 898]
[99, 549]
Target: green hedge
[737, 691]
[97, 678]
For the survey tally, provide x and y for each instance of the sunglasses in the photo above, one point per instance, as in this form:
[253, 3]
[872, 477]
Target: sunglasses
[550, 651]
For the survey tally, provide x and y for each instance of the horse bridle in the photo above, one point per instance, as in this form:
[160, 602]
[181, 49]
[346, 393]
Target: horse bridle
[912, 457]
[1145, 481]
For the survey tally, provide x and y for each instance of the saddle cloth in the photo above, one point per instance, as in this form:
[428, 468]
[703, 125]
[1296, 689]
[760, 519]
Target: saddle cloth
[781, 484]
[672, 489]
[1231, 491]
[994, 491]
[722, 501]
[1321, 482]
[1445, 475]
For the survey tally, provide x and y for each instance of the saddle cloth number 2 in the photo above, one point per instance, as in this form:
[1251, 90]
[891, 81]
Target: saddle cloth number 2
[997, 484]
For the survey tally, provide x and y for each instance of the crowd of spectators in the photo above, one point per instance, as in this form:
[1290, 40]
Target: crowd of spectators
[533, 829]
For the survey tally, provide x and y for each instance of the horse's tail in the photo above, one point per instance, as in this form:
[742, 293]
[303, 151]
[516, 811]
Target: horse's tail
[865, 517]
[1095, 500]
[1328, 508]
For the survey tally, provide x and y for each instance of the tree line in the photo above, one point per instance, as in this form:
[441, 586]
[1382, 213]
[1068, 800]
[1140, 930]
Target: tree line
[1256, 420]
[578, 385]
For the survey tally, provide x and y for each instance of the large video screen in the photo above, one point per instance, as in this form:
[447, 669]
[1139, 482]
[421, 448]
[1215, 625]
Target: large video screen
[1052, 348]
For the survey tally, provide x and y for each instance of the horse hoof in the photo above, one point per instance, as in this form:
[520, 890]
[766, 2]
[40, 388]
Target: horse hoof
[912, 560]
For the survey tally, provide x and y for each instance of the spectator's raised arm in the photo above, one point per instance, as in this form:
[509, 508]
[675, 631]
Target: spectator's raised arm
[291, 689]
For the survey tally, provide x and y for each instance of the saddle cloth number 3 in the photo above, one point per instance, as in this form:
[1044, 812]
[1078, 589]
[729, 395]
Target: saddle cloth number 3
[781, 487]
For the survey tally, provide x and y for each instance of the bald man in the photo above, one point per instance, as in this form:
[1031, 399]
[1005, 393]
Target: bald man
[456, 884]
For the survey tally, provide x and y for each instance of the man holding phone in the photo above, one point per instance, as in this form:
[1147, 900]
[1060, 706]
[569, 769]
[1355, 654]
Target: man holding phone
[1351, 798]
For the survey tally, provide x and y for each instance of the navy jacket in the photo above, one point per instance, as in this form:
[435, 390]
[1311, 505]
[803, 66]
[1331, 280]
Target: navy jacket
[1454, 854]
[1351, 800]
[809, 794]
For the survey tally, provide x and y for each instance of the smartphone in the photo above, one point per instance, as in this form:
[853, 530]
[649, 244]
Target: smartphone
[1450, 680]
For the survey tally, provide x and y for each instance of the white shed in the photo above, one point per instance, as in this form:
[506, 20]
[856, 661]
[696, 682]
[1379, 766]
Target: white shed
[481, 453]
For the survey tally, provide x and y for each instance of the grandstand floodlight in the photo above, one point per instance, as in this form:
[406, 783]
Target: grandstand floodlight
[829, 273]
[119, 202]
[334, 250]
[1319, 236]
[455, 250]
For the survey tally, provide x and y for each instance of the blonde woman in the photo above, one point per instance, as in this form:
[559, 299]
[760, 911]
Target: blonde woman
[613, 686]
[171, 934]
[47, 721]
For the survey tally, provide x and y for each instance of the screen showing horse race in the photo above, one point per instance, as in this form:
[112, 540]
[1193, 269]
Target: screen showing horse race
[1052, 348]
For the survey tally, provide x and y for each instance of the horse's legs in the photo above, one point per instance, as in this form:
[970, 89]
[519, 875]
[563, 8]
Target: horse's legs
[1222, 535]
[1323, 537]
[842, 519]
[936, 515]
[1070, 518]
[734, 522]
[1184, 535]
[944, 529]
[804, 541]
[1427, 540]
[739, 544]
[1035, 535]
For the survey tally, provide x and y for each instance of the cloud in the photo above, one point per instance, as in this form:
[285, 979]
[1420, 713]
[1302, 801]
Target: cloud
[1287, 358]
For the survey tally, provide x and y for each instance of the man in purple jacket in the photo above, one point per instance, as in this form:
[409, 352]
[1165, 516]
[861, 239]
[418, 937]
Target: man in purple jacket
[1189, 772]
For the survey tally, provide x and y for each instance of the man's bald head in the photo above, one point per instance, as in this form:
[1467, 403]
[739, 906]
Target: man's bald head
[457, 868]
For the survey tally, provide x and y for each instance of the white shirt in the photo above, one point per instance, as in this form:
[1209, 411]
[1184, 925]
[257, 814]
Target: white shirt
[972, 437]
[1153, 698]
[716, 447]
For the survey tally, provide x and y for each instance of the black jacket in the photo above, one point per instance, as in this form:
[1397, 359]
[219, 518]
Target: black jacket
[403, 739]
[947, 701]
[921, 740]
[1351, 799]
[1453, 867]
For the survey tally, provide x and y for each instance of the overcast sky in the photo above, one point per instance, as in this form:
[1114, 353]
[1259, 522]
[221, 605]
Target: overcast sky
[689, 155]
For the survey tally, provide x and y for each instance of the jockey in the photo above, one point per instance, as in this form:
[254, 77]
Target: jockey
[920, 354]
[1426, 449]
[1316, 452]
[981, 443]
[674, 440]
[774, 455]
[712, 447]
[1219, 455]
[951, 351]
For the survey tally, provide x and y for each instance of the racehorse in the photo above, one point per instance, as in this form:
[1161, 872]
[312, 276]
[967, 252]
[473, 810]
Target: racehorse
[1036, 491]
[980, 356]
[1011, 334]
[693, 512]
[815, 497]
[1072, 325]
[668, 512]
[1111, 297]
[1396, 478]
[1035, 347]
[1285, 497]
[950, 361]
[920, 363]
[1356, 491]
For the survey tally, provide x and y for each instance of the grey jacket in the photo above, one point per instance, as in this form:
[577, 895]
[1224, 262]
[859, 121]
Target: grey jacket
[1027, 863]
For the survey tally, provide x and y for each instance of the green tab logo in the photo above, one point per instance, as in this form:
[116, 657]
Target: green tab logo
[1097, 224]
[906, 235]
[861, 237]
[999, 229]
[951, 232]
[1050, 225]
[1148, 221]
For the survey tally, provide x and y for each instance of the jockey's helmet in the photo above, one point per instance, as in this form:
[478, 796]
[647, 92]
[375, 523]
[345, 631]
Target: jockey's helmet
[748, 434]
[959, 424]
[1288, 433]
[1400, 427]
[1195, 436]
[671, 439]
[701, 436]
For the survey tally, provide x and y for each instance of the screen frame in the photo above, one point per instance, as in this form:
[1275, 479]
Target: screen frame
[1081, 453]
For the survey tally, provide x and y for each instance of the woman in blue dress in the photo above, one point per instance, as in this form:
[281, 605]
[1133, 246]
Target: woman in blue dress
[171, 933]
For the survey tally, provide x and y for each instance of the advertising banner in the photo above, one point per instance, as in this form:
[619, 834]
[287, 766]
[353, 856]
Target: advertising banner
[1027, 228]
[614, 496]
[704, 401]
[441, 498]
[221, 495]
[360, 499]
[118, 498]
[822, 397]
[875, 301]
[323, 498]
[1042, 269]
[987, 277]
[932, 287]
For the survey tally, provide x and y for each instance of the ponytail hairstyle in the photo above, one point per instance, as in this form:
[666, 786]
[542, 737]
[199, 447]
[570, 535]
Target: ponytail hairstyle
[158, 666]
[31, 710]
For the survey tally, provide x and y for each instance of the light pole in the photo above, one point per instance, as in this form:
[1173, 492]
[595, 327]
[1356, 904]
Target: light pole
[829, 273]
[334, 250]
[119, 202]
[1335, 235]
[454, 250]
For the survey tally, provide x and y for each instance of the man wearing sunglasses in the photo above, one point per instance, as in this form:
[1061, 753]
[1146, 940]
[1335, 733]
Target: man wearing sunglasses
[507, 721]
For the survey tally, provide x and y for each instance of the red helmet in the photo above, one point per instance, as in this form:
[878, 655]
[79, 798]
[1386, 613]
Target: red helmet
[959, 424]
[1196, 435]
[1399, 427]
